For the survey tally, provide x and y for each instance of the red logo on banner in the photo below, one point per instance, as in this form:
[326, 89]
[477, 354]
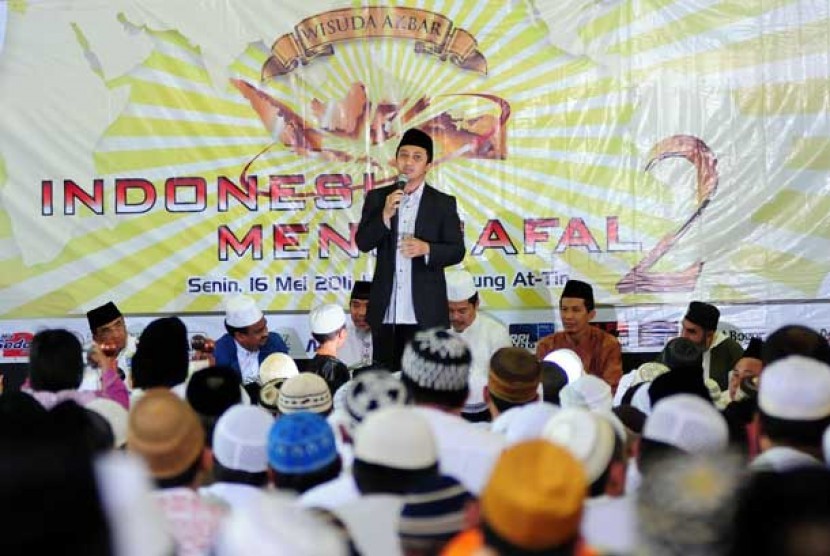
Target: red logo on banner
[619, 329]
[15, 345]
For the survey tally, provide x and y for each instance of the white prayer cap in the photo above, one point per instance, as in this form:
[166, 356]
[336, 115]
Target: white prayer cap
[277, 366]
[460, 285]
[126, 492]
[687, 422]
[646, 372]
[327, 318]
[274, 524]
[396, 437]
[241, 311]
[587, 392]
[116, 416]
[240, 439]
[649, 370]
[795, 388]
[524, 422]
[589, 437]
[569, 361]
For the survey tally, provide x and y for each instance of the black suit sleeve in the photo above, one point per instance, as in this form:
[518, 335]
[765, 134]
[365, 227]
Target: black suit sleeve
[450, 249]
[371, 230]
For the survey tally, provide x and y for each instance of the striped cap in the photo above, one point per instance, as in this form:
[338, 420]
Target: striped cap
[433, 511]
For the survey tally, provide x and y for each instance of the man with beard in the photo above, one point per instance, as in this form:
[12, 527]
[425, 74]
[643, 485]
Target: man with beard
[357, 349]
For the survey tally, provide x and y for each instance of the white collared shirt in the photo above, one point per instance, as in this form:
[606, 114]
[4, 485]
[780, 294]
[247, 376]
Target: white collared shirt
[401, 309]
[248, 363]
[485, 336]
[356, 351]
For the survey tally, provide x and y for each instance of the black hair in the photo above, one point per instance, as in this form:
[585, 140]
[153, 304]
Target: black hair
[183, 479]
[453, 399]
[162, 357]
[301, 482]
[48, 484]
[55, 361]
[599, 485]
[328, 336]
[503, 405]
[633, 419]
[373, 366]
[478, 417]
[628, 396]
[738, 415]
[233, 330]
[503, 546]
[590, 305]
[224, 474]
[208, 423]
[554, 378]
[90, 428]
[372, 478]
[795, 339]
[21, 415]
[653, 452]
[795, 433]
[779, 513]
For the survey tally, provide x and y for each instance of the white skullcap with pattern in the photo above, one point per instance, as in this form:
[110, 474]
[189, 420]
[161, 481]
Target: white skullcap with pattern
[437, 359]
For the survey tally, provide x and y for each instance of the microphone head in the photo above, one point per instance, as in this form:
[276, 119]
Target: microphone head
[401, 180]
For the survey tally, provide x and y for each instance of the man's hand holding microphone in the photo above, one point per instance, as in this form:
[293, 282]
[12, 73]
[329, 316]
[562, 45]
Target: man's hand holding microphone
[410, 246]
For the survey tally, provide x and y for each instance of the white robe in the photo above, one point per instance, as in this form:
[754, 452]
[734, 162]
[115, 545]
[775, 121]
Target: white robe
[357, 349]
[484, 336]
[465, 451]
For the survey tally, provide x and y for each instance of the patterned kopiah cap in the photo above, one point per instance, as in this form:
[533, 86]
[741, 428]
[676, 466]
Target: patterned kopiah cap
[304, 392]
[437, 359]
[373, 390]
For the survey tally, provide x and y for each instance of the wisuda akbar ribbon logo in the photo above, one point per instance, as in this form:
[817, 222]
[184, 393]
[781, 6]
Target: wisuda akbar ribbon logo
[433, 34]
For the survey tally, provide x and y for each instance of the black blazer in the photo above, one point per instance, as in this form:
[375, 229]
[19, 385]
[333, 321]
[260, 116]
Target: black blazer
[438, 224]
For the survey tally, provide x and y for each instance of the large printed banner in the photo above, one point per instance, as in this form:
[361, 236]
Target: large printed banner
[166, 154]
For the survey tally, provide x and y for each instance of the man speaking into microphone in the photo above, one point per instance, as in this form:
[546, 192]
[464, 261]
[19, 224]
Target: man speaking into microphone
[417, 233]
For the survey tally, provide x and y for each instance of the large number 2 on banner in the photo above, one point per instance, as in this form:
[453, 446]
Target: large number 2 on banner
[639, 278]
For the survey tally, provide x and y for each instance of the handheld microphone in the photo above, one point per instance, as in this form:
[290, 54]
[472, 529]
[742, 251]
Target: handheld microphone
[401, 181]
